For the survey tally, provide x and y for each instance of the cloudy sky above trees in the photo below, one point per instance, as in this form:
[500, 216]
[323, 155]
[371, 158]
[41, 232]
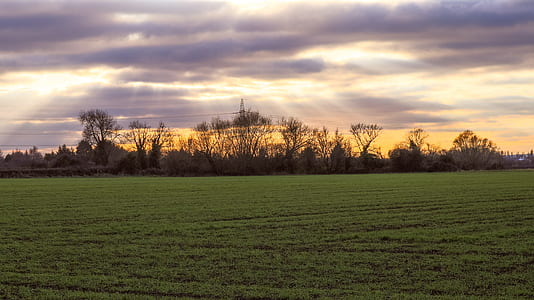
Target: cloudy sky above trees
[445, 66]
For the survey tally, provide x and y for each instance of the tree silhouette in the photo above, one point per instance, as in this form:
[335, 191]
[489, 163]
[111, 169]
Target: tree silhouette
[248, 134]
[101, 131]
[159, 137]
[416, 138]
[365, 135]
[473, 152]
[295, 136]
[323, 145]
[139, 135]
[211, 140]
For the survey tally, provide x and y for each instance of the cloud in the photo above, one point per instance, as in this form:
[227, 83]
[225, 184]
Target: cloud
[410, 120]
[81, 33]
[144, 93]
[279, 69]
[64, 25]
[512, 80]
[159, 55]
[127, 103]
[477, 59]
[415, 17]
[163, 76]
[44, 32]
[386, 66]
[388, 112]
[398, 114]
[383, 105]
[503, 106]
[122, 101]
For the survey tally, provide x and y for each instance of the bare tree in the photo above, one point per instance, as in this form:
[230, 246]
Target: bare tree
[159, 138]
[416, 140]
[295, 136]
[210, 140]
[220, 130]
[249, 134]
[417, 137]
[101, 131]
[98, 126]
[162, 136]
[185, 143]
[204, 141]
[365, 135]
[324, 144]
[339, 154]
[139, 135]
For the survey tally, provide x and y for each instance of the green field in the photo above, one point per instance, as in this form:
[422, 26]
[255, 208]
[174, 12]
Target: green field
[455, 235]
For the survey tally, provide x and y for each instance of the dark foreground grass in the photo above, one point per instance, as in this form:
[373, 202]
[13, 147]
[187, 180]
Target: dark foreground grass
[455, 235]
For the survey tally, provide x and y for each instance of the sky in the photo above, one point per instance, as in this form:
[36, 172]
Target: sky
[445, 66]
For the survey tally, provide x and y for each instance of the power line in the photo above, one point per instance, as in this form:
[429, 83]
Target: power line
[70, 119]
[119, 118]
[37, 134]
[36, 145]
[175, 117]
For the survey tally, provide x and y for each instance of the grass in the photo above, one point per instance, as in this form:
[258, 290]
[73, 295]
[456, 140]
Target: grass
[452, 235]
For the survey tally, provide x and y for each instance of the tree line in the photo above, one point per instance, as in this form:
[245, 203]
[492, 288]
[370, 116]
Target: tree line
[252, 144]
